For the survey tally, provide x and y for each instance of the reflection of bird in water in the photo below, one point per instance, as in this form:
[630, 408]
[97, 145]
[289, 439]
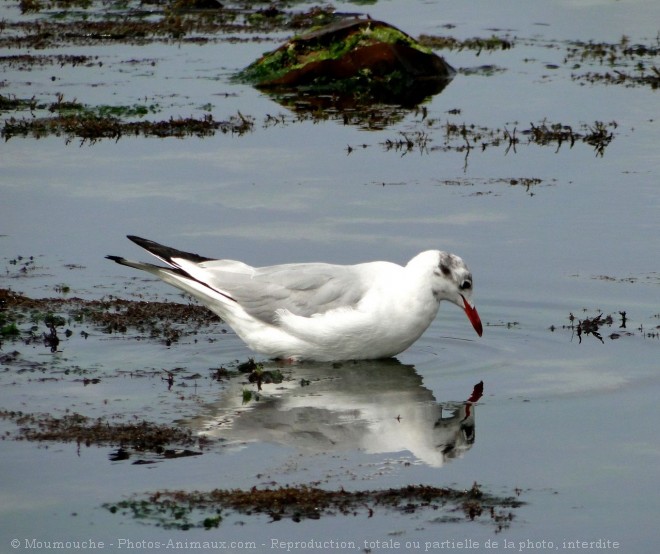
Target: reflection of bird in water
[374, 407]
[321, 311]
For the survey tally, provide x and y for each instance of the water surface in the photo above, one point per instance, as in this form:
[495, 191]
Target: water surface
[569, 424]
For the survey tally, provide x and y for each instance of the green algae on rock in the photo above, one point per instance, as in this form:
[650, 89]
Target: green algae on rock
[356, 56]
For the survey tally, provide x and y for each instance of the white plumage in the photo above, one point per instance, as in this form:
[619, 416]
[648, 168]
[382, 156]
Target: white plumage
[320, 311]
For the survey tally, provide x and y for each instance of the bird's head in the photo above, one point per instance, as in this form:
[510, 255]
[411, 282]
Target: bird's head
[451, 280]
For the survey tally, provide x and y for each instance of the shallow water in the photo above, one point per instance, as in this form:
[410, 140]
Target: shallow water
[568, 423]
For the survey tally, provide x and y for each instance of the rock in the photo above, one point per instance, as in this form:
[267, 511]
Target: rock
[353, 56]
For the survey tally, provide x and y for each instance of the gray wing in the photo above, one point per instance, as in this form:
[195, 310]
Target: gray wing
[303, 289]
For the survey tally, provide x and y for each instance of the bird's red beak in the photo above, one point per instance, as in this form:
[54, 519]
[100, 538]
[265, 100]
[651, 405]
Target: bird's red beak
[473, 316]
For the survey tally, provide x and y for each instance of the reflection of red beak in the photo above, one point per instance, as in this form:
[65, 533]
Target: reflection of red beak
[473, 316]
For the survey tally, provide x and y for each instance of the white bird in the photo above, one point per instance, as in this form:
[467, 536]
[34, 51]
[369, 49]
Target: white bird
[319, 311]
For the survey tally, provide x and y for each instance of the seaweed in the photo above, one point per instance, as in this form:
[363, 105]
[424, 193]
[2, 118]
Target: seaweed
[186, 510]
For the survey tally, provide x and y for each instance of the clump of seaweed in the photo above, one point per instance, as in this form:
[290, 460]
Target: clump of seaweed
[74, 427]
[54, 23]
[643, 76]
[92, 127]
[614, 57]
[592, 326]
[408, 142]
[466, 137]
[168, 321]
[157, 319]
[596, 135]
[186, 510]
[257, 374]
[26, 62]
[491, 43]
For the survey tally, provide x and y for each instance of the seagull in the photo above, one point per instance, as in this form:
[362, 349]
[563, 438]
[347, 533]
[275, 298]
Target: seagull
[320, 311]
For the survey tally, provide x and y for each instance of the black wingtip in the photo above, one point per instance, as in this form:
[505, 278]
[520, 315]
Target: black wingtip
[117, 259]
[144, 243]
[166, 253]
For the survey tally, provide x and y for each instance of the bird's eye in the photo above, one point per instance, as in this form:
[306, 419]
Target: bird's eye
[465, 285]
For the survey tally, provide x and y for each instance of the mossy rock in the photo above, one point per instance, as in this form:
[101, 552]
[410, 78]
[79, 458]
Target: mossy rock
[352, 55]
